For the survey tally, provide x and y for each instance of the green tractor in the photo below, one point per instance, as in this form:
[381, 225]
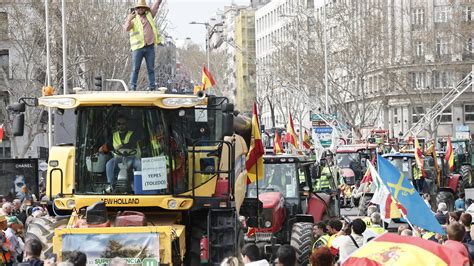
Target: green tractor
[463, 158]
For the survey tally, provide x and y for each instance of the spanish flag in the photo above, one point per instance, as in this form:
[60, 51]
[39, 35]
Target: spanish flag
[277, 145]
[449, 154]
[254, 163]
[306, 141]
[392, 249]
[419, 156]
[290, 136]
[207, 79]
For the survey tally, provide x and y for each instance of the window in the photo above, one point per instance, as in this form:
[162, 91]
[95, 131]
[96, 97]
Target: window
[417, 113]
[5, 61]
[467, 13]
[3, 26]
[443, 79]
[469, 46]
[447, 115]
[419, 48]
[418, 80]
[442, 14]
[442, 46]
[395, 115]
[469, 112]
[418, 16]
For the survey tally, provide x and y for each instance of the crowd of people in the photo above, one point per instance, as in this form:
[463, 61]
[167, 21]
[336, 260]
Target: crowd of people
[15, 217]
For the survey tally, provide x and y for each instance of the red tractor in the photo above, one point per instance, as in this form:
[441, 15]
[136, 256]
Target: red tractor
[290, 207]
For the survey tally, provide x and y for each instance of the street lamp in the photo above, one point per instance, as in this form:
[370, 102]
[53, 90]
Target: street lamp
[209, 33]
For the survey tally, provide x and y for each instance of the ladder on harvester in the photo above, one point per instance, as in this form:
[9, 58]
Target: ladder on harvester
[439, 107]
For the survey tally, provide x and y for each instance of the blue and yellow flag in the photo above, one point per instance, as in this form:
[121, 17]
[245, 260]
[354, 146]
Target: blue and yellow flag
[402, 190]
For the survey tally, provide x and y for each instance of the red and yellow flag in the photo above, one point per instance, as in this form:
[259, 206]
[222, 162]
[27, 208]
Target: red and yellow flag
[392, 249]
[207, 79]
[306, 140]
[277, 145]
[419, 156]
[450, 154]
[254, 163]
[290, 136]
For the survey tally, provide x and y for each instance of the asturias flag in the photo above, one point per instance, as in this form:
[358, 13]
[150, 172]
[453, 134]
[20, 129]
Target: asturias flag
[450, 154]
[290, 136]
[402, 190]
[277, 145]
[207, 79]
[254, 163]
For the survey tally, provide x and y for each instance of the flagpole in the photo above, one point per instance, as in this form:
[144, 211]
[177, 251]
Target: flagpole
[408, 221]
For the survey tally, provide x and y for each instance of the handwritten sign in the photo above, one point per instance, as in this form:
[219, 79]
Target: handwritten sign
[154, 173]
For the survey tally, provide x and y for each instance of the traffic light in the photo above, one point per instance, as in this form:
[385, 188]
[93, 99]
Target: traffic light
[98, 83]
[18, 110]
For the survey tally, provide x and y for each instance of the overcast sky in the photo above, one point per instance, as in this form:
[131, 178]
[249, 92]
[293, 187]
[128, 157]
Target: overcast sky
[181, 12]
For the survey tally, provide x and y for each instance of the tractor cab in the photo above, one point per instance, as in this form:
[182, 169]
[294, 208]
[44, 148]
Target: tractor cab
[350, 159]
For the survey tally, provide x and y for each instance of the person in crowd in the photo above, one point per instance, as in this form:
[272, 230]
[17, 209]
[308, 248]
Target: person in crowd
[371, 209]
[6, 257]
[33, 248]
[7, 208]
[418, 179]
[78, 258]
[402, 227]
[16, 207]
[347, 244]
[441, 213]
[232, 261]
[334, 228]
[427, 199]
[322, 257]
[251, 255]
[286, 256]
[320, 234]
[36, 212]
[459, 204]
[453, 217]
[466, 220]
[456, 233]
[406, 232]
[376, 221]
[16, 243]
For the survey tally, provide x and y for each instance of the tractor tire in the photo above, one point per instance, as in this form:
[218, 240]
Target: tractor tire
[42, 229]
[466, 173]
[301, 240]
[446, 197]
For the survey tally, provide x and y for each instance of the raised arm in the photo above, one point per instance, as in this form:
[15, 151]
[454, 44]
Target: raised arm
[155, 7]
[129, 24]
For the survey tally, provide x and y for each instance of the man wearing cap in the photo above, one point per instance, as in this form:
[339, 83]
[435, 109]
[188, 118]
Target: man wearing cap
[143, 37]
[16, 244]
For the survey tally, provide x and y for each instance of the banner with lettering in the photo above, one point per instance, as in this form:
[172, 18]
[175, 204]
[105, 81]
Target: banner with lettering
[19, 178]
[154, 173]
[111, 249]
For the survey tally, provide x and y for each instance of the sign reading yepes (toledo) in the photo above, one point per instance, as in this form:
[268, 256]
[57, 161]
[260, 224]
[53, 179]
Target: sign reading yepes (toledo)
[154, 173]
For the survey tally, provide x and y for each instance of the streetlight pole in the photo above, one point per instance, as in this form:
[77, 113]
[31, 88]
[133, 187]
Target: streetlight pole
[207, 25]
[326, 80]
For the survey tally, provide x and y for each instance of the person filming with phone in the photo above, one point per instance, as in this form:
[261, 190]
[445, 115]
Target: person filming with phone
[143, 37]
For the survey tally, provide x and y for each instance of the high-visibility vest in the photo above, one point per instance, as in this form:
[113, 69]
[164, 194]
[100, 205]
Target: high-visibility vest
[428, 235]
[322, 183]
[155, 147]
[377, 229]
[117, 141]
[137, 35]
[367, 221]
[321, 241]
[331, 239]
[416, 173]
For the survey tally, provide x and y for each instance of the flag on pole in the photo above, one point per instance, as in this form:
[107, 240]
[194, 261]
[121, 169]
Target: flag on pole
[207, 79]
[1, 133]
[419, 156]
[277, 145]
[450, 154]
[306, 140]
[368, 175]
[402, 190]
[254, 163]
[290, 136]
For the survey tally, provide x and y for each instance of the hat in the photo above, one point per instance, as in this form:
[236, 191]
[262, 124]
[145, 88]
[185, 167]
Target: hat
[3, 218]
[36, 209]
[142, 3]
[12, 220]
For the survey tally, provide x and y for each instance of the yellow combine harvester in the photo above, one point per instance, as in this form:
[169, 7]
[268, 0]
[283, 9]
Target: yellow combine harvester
[166, 199]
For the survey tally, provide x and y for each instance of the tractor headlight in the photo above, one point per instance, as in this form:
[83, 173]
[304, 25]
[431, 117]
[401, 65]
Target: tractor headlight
[70, 204]
[182, 102]
[172, 204]
[268, 224]
[63, 102]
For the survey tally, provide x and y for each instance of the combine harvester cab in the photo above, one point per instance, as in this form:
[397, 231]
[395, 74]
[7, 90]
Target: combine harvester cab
[176, 207]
